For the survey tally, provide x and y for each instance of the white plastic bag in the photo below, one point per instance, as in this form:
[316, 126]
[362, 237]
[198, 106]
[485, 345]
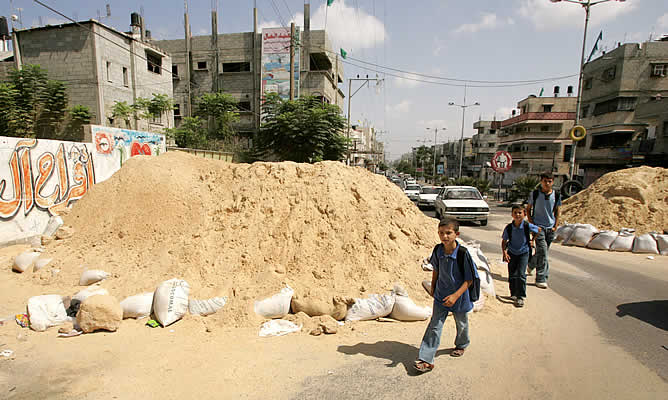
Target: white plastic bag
[603, 240]
[52, 226]
[91, 276]
[25, 260]
[662, 244]
[375, 306]
[278, 327]
[137, 306]
[89, 291]
[478, 305]
[275, 306]
[645, 244]
[406, 310]
[486, 283]
[563, 233]
[41, 263]
[623, 242]
[581, 235]
[46, 311]
[170, 301]
[206, 307]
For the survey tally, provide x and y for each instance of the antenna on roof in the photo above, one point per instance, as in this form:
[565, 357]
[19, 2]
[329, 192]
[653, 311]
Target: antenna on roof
[141, 11]
[41, 23]
[108, 7]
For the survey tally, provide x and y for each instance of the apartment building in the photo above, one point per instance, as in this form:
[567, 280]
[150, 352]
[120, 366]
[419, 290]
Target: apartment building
[484, 143]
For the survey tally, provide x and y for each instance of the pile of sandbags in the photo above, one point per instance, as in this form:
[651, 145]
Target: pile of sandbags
[585, 235]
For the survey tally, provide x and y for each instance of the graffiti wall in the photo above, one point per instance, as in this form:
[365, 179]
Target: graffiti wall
[40, 178]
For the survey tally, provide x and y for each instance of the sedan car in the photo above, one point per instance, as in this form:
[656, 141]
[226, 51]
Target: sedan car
[413, 192]
[428, 196]
[464, 203]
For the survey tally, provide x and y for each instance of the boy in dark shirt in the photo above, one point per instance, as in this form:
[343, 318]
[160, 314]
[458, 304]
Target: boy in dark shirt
[516, 247]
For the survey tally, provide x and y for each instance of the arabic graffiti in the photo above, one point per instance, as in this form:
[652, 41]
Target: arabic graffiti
[57, 181]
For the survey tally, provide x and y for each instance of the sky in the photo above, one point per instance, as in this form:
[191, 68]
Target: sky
[491, 46]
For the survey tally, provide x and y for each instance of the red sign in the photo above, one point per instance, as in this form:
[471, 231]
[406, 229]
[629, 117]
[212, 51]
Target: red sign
[502, 161]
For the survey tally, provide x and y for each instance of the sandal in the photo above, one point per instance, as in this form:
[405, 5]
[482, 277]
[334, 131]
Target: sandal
[457, 352]
[423, 366]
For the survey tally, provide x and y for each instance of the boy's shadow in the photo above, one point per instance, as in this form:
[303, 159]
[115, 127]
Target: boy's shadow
[395, 352]
[498, 277]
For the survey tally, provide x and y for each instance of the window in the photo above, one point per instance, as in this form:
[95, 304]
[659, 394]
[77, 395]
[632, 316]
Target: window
[613, 139]
[617, 104]
[609, 74]
[490, 144]
[156, 119]
[236, 67]
[108, 71]
[665, 129]
[588, 83]
[567, 152]
[201, 65]
[542, 148]
[153, 62]
[175, 70]
[626, 104]
[244, 106]
[545, 128]
[547, 107]
[492, 131]
[177, 110]
[125, 77]
[659, 70]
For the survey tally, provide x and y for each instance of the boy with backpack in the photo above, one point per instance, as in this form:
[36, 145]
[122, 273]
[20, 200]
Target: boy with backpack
[516, 247]
[455, 285]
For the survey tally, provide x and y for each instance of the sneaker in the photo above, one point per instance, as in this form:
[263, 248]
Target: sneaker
[519, 303]
[513, 298]
[542, 285]
[529, 272]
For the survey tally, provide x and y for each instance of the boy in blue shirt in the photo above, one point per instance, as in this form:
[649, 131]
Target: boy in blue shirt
[516, 247]
[449, 287]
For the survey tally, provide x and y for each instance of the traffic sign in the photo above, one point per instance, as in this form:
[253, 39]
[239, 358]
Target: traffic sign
[502, 161]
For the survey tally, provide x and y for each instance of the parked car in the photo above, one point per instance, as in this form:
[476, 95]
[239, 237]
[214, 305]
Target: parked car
[413, 191]
[428, 196]
[464, 203]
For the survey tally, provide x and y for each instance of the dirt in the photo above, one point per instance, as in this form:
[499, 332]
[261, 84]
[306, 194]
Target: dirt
[630, 198]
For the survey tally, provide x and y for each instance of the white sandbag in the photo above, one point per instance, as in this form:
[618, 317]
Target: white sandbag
[41, 263]
[278, 327]
[91, 276]
[206, 307]
[563, 232]
[46, 311]
[478, 305]
[486, 283]
[624, 241]
[170, 301]
[137, 306]
[405, 309]
[373, 307]
[581, 235]
[662, 244]
[275, 306]
[645, 244]
[603, 240]
[52, 226]
[25, 260]
[89, 291]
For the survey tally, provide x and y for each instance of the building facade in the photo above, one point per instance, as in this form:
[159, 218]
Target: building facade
[99, 66]
[538, 137]
[624, 109]
[484, 144]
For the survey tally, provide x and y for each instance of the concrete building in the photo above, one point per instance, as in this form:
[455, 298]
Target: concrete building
[484, 144]
[538, 137]
[451, 158]
[99, 66]
[233, 63]
[625, 110]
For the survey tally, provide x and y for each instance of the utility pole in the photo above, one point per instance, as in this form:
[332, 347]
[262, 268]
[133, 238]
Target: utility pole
[435, 132]
[350, 97]
[186, 21]
[424, 141]
[461, 147]
[292, 61]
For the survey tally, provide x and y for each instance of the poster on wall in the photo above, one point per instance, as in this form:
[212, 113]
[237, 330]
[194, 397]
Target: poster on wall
[276, 62]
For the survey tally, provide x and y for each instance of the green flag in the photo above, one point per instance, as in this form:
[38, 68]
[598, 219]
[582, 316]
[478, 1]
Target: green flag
[541, 92]
[343, 54]
[595, 49]
[329, 2]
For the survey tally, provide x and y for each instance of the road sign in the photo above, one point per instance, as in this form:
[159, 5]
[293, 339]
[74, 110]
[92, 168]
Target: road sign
[502, 161]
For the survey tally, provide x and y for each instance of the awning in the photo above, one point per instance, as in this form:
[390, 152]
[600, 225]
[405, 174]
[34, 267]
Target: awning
[613, 131]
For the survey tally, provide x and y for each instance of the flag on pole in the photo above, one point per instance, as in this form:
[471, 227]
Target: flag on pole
[595, 49]
[541, 92]
[329, 2]
[344, 54]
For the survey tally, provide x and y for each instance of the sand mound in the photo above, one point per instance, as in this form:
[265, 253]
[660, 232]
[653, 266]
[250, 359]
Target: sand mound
[632, 198]
[244, 231]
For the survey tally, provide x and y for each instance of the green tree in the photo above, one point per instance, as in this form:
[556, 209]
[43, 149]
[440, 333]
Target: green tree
[221, 111]
[302, 130]
[190, 134]
[123, 111]
[523, 186]
[405, 167]
[78, 116]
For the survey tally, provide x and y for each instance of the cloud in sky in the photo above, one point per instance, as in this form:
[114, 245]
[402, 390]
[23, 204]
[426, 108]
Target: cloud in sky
[403, 107]
[546, 15]
[406, 83]
[662, 22]
[487, 21]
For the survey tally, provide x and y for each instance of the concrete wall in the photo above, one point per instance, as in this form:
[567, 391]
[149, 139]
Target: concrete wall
[43, 177]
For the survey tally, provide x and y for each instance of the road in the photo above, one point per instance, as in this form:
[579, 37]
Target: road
[626, 294]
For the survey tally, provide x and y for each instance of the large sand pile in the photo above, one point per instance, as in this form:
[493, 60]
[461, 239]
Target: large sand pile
[632, 198]
[244, 231]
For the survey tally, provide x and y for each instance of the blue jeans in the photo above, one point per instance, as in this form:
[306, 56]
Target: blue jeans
[432, 336]
[517, 274]
[540, 261]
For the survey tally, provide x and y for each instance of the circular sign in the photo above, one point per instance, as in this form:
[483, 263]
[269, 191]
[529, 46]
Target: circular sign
[502, 161]
[578, 132]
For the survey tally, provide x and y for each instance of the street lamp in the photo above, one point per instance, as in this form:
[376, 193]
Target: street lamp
[461, 148]
[586, 4]
[435, 132]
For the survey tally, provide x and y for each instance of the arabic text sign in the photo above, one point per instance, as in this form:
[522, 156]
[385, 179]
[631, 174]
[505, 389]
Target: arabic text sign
[276, 62]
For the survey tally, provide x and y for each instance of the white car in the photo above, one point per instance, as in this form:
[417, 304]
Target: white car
[464, 203]
[428, 196]
[413, 191]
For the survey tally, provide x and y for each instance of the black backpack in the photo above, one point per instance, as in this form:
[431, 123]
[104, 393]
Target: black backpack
[535, 193]
[527, 235]
[474, 289]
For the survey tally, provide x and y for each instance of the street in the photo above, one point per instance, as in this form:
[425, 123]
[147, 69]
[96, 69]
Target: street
[626, 294]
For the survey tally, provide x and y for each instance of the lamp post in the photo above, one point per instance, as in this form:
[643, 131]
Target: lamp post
[461, 148]
[586, 4]
[435, 132]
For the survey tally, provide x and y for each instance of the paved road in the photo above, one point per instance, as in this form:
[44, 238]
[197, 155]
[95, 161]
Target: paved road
[626, 295]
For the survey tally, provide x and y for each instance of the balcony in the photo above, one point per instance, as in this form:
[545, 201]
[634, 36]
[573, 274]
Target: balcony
[538, 116]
